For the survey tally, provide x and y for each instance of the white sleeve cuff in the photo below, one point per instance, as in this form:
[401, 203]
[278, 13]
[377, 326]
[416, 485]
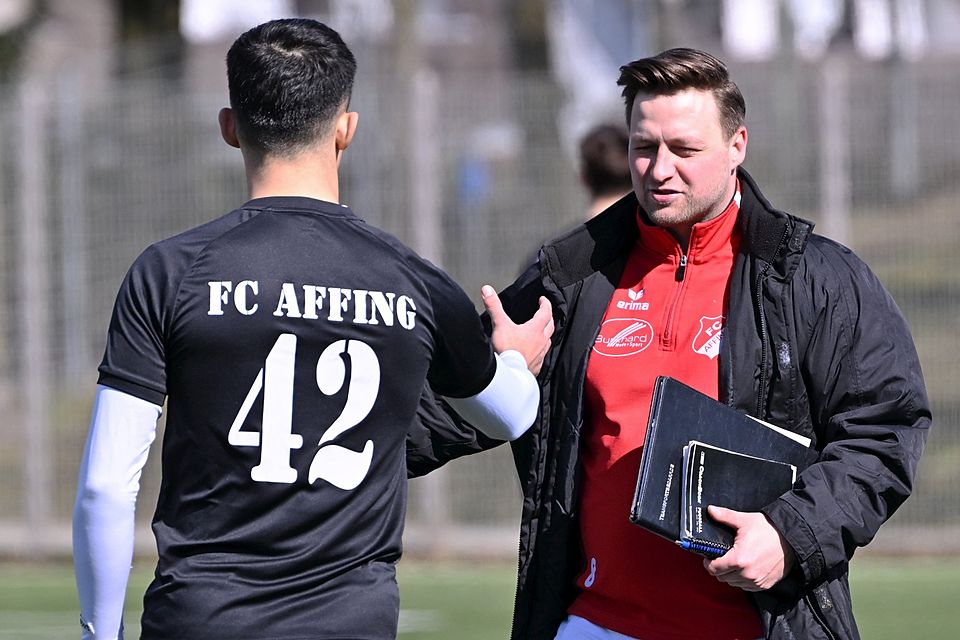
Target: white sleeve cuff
[122, 428]
[507, 407]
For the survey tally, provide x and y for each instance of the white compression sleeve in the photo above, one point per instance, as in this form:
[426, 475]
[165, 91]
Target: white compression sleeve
[122, 428]
[507, 407]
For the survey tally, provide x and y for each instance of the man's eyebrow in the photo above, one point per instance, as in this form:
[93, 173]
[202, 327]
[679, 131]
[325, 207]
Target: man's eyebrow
[685, 141]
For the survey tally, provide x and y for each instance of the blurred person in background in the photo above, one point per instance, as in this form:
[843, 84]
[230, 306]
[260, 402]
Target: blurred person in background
[697, 276]
[290, 341]
[604, 170]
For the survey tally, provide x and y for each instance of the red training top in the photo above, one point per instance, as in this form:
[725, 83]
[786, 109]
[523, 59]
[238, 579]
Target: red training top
[665, 318]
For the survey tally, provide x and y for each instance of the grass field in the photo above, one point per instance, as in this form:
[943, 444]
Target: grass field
[893, 599]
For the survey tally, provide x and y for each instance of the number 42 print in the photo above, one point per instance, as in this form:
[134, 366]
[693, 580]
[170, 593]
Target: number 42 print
[343, 468]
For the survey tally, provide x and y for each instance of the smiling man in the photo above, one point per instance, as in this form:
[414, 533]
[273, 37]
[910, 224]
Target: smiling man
[696, 276]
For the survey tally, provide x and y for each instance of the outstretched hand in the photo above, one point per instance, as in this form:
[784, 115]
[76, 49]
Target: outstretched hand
[760, 557]
[531, 339]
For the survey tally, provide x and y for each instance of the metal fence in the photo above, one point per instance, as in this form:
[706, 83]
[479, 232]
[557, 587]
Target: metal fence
[472, 171]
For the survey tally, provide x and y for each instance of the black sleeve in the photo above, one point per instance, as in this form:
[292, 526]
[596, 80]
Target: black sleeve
[439, 435]
[134, 358]
[463, 363]
[870, 409]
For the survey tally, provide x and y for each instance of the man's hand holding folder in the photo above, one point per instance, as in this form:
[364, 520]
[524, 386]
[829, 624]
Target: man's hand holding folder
[759, 558]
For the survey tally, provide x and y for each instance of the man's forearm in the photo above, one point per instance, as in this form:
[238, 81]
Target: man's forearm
[507, 407]
[122, 428]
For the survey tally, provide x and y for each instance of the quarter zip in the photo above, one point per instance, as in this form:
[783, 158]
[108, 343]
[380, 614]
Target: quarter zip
[668, 338]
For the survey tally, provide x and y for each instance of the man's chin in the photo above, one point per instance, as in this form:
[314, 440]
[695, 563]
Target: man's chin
[661, 216]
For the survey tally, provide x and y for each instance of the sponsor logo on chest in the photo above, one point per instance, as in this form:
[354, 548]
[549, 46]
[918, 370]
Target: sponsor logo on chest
[620, 337]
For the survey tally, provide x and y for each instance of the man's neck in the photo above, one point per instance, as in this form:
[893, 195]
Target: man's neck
[603, 202]
[310, 175]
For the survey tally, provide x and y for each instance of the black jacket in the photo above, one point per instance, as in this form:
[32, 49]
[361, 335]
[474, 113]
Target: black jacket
[812, 342]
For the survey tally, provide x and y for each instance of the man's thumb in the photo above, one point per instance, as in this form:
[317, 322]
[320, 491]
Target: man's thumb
[492, 303]
[544, 316]
[723, 515]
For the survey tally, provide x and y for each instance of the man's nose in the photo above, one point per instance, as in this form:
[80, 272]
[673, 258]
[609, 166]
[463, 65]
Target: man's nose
[662, 167]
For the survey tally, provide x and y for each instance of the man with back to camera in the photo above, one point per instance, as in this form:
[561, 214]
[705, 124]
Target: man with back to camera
[291, 341]
[809, 340]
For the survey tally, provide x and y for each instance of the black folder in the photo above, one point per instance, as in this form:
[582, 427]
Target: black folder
[725, 478]
[679, 416]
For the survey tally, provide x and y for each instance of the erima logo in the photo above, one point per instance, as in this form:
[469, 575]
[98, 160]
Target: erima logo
[634, 305]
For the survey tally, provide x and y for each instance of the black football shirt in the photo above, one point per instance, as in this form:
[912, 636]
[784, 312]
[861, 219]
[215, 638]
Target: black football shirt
[291, 341]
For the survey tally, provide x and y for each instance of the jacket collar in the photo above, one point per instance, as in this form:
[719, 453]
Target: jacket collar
[772, 236]
[591, 246]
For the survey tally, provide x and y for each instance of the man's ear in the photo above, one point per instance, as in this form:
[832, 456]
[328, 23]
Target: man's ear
[738, 147]
[228, 127]
[346, 127]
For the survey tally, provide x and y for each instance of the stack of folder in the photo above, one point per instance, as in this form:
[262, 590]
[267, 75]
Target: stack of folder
[699, 452]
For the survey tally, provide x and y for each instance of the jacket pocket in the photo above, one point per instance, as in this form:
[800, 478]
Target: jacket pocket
[816, 602]
[832, 602]
[822, 613]
[566, 469]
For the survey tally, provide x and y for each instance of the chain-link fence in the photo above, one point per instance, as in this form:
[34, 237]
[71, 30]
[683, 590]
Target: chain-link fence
[472, 171]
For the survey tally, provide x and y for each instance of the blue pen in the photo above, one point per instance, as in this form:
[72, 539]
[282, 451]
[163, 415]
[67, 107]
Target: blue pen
[701, 547]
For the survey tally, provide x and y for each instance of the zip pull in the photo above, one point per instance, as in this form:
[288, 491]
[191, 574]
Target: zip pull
[682, 267]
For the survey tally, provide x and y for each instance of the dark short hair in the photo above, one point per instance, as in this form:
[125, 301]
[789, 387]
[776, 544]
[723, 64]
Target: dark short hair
[676, 70]
[603, 157]
[288, 79]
